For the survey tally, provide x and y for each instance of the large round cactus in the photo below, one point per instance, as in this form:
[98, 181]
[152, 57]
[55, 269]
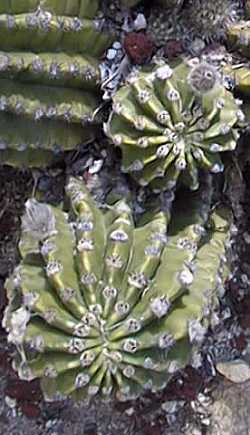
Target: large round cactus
[99, 306]
[170, 121]
[49, 77]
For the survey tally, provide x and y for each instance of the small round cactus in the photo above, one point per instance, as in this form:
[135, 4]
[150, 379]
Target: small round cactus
[171, 121]
[99, 306]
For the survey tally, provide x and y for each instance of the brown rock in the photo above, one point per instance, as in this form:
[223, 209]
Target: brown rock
[30, 410]
[139, 47]
[23, 391]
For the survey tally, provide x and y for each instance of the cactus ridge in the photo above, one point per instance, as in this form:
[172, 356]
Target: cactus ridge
[48, 79]
[171, 121]
[101, 306]
[81, 8]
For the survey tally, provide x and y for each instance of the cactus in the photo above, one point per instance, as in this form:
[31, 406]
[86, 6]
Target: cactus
[238, 77]
[171, 3]
[99, 306]
[130, 3]
[173, 120]
[163, 3]
[49, 77]
[238, 36]
[210, 20]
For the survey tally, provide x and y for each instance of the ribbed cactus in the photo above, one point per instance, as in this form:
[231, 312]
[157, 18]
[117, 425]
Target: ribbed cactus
[238, 37]
[164, 3]
[173, 120]
[49, 77]
[210, 20]
[99, 306]
[238, 76]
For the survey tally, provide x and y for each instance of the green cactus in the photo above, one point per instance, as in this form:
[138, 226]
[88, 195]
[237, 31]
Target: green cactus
[80, 8]
[99, 306]
[173, 120]
[239, 76]
[49, 77]
[238, 36]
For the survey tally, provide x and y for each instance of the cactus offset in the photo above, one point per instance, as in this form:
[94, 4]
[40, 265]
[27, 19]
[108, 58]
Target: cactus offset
[173, 120]
[49, 77]
[99, 306]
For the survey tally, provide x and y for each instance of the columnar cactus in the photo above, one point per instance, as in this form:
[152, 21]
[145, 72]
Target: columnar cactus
[49, 77]
[99, 306]
[173, 120]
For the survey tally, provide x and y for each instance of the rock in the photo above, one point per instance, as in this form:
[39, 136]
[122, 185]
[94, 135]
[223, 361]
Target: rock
[230, 410]
[139, 47]
[30, 410]
[173, 48]
[237, 371]
[23, 391]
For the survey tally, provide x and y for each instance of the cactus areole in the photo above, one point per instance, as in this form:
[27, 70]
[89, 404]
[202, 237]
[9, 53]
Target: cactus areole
[99, 306]
[173, 120]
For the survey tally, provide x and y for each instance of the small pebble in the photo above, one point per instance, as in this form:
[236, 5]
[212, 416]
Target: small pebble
[111, 54]
[140, 22]
[236, 371]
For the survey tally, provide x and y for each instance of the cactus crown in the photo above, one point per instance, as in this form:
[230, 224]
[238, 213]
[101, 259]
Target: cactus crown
[98, 305]
[173, 120]
[49, 82]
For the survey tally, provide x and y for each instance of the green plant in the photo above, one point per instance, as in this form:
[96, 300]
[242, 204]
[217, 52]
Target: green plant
[238, 37]
[49, 77]
[173, 120]
[99, 306]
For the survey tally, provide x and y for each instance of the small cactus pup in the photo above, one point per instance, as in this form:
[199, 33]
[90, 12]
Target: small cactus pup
[173, 120]
[99, 306]
[49, 77]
